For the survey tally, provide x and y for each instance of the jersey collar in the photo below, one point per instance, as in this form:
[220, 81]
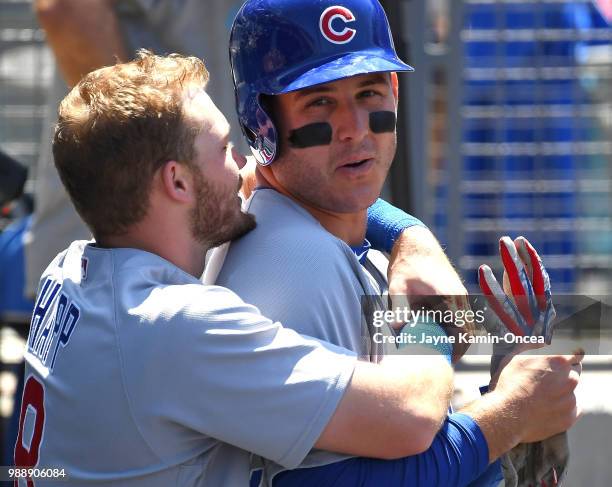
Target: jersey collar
[361, 252]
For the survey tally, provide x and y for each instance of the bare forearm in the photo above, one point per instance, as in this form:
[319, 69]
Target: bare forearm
[420, 274]
[419, 266]
[430, 379]
[84, 35]
[417, 241]
[499, 422]
[391, 410]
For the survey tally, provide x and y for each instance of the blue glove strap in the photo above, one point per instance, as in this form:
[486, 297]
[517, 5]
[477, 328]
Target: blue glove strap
[386, 223]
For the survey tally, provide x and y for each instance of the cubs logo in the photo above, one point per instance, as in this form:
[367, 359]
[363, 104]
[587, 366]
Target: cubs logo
[332, 35]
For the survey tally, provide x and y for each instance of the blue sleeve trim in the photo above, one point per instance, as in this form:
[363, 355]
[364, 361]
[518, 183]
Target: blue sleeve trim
[458, 455]
[470, 438]
[386, 223]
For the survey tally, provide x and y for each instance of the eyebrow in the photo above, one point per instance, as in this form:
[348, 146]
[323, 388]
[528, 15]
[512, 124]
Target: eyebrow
[315, 89]
[374, 79]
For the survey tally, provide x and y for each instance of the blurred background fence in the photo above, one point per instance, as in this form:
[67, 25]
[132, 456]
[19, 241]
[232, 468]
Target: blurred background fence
[25, 74]
[510, 124]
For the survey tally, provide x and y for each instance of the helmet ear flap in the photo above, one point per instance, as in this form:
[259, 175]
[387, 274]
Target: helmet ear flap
[264, 141]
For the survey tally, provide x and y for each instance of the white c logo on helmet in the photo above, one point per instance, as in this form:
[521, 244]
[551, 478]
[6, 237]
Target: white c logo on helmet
[332, 35]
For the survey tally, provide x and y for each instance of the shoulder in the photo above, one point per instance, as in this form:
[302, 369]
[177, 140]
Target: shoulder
[206, 306]
[279, 217]
[66, 263]
[189, 322]
[288, 252]
[296, 272]
[146, 296]
[169, 298]
[285, 234]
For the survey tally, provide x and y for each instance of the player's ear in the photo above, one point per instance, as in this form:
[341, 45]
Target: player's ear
[176, 181]
[395, 87]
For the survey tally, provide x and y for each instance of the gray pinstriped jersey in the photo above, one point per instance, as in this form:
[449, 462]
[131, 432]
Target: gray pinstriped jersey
[297, 272]
[140, 375]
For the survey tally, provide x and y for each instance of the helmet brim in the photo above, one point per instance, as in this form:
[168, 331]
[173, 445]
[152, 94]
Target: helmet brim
[352, 64]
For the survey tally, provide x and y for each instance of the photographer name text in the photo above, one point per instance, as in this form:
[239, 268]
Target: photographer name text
[425, 339]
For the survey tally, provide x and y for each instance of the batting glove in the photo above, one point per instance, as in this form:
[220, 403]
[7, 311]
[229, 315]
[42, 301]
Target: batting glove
[524, 307]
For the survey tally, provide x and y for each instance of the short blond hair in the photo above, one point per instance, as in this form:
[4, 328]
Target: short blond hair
[116, 128]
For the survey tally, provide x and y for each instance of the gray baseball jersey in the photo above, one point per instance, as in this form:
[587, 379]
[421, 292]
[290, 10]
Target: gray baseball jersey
[295, 271]
[137, 374]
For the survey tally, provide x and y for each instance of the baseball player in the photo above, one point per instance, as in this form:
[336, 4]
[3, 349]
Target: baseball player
[316, 90]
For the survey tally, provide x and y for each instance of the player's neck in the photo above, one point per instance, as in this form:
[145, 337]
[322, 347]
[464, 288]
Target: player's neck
[349, 227]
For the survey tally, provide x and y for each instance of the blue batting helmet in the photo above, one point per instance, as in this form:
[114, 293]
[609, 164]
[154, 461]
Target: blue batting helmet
[278, 46]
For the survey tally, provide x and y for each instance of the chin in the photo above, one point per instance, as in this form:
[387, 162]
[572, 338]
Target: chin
[363, 198]
[350, 204]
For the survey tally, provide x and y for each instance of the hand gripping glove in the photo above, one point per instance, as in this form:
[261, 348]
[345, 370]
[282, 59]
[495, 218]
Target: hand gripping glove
[524, 307]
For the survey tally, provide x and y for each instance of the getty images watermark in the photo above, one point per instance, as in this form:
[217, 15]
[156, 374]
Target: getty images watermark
[417, 318]
[581, 320]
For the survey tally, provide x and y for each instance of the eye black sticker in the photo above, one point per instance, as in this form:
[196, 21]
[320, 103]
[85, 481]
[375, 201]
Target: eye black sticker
[381, 122]
[320, 133]
[311, 135]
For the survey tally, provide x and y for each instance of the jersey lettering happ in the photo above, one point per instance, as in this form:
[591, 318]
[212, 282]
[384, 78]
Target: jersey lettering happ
[53, 321]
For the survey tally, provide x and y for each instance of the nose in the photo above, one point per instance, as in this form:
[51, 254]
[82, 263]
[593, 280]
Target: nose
[239, 158]
[352, 123]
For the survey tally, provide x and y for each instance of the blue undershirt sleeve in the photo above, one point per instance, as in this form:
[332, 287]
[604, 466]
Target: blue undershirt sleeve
[458, 455]
[459, 452]
[386, 223]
